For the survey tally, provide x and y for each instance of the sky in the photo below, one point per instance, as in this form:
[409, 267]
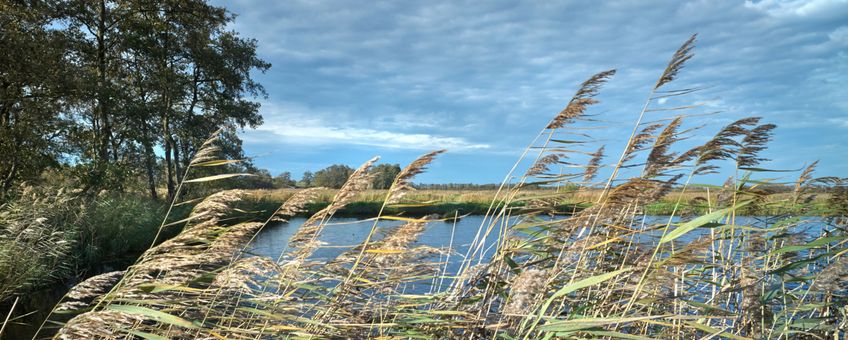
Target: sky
[352, 80]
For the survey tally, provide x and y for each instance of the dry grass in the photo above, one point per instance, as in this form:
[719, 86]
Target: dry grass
[487, 196]
[373, 195]
[601, 273]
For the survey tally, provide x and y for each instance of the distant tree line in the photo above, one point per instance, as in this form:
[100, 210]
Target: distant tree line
[458, 186]
[333, 176]
[120, 93]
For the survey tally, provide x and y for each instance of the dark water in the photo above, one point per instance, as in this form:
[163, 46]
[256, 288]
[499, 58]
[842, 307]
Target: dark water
[34, 307]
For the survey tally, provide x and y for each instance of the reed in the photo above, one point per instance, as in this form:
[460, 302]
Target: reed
[602, 272]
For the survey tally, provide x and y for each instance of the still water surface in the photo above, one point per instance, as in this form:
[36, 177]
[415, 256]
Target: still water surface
[341, 234]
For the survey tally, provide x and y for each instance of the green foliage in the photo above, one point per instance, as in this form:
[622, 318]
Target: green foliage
[35, 82]
[333, 176]
[384, 175]
[284, 180]
[118, 228]
[99, 85]
[307, 180]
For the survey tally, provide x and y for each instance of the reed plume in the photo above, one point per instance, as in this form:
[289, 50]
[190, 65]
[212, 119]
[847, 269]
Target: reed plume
[593, 165]
[802, 184]
[723, 145]
[84, 293]
[524, 291]
[639, 141]
[680, 57]
[402, 183]
[296, 204]
[581, 100]
[541, 165]
[752, 144]
[660, 158]
[208, 150]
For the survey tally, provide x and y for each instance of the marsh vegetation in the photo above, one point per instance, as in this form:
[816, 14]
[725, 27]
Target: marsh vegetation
[606, 270]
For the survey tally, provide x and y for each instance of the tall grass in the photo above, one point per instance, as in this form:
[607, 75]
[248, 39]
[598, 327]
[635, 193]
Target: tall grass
[50, 235]
[603, 272]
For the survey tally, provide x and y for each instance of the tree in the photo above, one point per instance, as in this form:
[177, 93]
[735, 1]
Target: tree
[261, 179]
[307, 180]
[384, 175]
[333, 176]
[100, 85]
[284, 180]
[35, 81]
[200, 72]
[158, 68]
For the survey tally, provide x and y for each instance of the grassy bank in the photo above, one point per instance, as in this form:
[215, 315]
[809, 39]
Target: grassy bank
[439, 202]
[557, 201]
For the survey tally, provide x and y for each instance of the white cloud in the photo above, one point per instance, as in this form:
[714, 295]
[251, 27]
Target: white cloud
[305, 134]
[839, 121]
[799, 8]
[292, 123]
[839, 35]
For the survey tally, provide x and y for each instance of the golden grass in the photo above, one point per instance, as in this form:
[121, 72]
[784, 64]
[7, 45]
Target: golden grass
[487, 196]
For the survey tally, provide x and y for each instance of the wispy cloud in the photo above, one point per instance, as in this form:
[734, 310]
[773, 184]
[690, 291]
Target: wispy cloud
[321, 135]
[799, 8]
[839, 121]
[295, 124]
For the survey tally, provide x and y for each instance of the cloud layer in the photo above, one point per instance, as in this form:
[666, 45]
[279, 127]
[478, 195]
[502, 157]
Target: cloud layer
[483, 78]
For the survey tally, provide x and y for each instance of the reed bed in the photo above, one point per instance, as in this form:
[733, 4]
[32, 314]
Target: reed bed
[445, 202]
[600, 273]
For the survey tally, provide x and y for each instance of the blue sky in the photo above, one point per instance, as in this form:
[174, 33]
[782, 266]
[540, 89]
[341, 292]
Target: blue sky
[351, 80]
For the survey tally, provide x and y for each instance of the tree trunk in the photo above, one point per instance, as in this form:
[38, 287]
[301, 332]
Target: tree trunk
[9, 178]
[102, 93]
[186, 154]
[149, 161]
[116, 147]
[168, 142]
[176, 149]
[6, 125]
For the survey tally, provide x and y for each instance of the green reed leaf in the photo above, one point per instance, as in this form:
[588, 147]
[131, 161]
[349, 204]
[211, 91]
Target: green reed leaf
[814, 244]
[155, 315]
[700, 222]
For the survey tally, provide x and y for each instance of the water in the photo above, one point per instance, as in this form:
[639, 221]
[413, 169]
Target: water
[342, 234]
